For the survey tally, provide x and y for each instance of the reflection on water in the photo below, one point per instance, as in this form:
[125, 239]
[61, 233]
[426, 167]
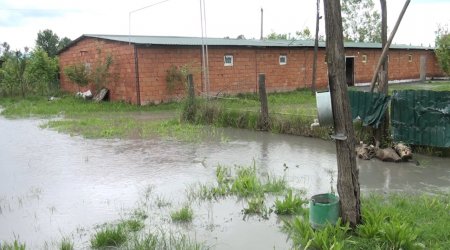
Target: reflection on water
[53, 185]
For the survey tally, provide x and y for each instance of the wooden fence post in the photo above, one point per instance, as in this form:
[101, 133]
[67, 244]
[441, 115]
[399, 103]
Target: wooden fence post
[263, 100]
[189, 108]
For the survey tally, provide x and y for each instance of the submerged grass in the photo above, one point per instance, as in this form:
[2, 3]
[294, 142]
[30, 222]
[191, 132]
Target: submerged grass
[185, 214]
[16, 245]
[242, 182]
[66, 244]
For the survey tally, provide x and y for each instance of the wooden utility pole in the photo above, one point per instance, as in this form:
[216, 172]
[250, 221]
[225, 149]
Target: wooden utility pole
[316, 48]
[348, 176]
[383, 78]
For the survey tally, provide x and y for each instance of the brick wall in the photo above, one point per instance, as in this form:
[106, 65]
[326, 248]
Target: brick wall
[122, 85]
[248, 62]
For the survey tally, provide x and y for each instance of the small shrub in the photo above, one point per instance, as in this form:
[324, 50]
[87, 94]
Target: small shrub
[185, 214]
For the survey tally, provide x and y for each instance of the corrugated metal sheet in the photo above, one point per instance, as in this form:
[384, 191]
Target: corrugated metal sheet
[421, 117]
[369, 107]
[196, 41]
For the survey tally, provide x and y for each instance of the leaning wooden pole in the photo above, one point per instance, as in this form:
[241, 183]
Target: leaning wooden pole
[348, 180]
[386, 47]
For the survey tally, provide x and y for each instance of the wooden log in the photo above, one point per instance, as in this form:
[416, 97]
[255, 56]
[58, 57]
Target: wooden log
[101, 95]
[387, 154]
[403, 151]
[365, 152]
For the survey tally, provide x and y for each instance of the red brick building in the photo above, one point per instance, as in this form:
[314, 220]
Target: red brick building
[140, 64]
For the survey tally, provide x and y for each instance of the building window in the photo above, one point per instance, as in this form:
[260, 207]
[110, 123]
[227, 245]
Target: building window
[283, 60]
[409, 58]
[228, 60]
[83, 52]
[364, 58]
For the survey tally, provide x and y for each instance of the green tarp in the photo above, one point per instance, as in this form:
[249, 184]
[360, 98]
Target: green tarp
[369, 107]
[421, 117]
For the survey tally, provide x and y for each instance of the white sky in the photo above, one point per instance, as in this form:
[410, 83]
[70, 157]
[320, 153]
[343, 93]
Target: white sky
[21, 20]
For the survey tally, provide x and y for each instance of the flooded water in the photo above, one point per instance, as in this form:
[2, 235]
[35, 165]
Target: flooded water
[54, 185]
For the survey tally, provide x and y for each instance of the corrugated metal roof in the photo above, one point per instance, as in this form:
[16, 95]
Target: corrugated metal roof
[197, 41]
[175, 40]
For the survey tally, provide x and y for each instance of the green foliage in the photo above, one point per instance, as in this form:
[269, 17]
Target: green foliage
[185, 214]
[42, 72]
[292, 204]
[99, 75]
[163, 241]
[443, 48]
[275, 36]
[50, 42]
[13, 74]
[78, 73]
[361, 23]
[16, 245]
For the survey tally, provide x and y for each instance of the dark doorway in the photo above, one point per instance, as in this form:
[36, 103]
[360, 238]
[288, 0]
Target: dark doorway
[350, 70]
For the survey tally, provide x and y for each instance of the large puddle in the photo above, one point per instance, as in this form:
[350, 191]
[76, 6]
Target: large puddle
[53, 185]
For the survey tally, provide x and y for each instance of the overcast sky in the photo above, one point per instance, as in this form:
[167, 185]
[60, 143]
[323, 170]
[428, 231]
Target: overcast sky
[21, 20]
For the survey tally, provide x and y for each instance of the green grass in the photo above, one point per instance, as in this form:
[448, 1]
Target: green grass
[185, 214]
[396, 221]
[71, 106]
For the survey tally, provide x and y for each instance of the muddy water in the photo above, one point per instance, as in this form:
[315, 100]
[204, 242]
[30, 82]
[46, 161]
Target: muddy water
[53, 185]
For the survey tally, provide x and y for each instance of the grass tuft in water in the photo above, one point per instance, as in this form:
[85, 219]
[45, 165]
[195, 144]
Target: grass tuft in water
[292, 204]
[66, 244]
[132, 225]
[164, 241]
[110, 236]
[256, 206]
[16, 245]
[185, 214]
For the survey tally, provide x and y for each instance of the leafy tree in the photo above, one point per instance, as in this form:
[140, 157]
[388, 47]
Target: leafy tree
[275, 36]
[361, 22]
[63, 42]
[305, 34]
[42, 71]
[443, 48]
[13, 73]
[48, 41]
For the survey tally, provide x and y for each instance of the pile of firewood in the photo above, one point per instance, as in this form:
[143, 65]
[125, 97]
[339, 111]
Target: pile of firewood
[399, 152]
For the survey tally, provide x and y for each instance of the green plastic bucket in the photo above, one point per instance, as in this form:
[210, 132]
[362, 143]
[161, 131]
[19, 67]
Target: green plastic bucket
[323, 209]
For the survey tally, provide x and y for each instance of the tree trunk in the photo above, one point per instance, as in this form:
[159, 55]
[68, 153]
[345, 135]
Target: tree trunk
[316, 48]
[348, 180]
[263, 99]
[382, 132]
